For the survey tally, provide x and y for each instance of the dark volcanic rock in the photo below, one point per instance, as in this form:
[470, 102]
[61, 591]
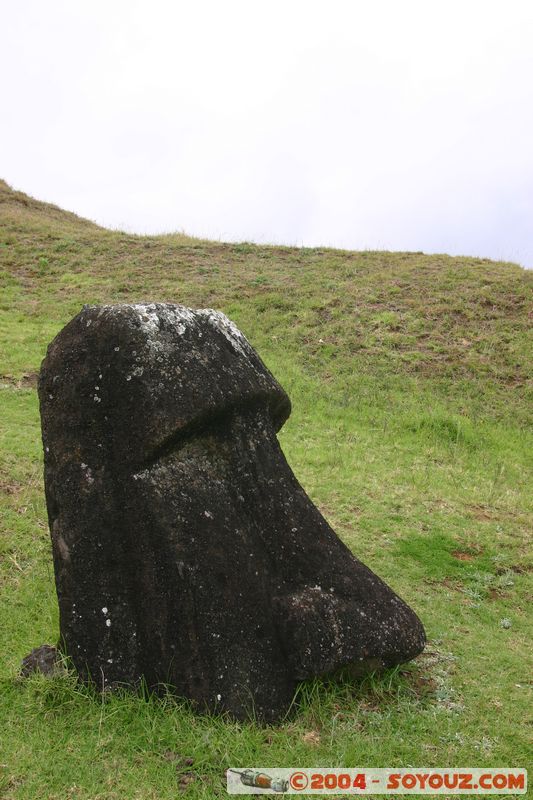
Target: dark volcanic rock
[44, 659]
[185, 550]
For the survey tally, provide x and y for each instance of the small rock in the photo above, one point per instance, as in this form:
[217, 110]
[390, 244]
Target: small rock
[44, 659]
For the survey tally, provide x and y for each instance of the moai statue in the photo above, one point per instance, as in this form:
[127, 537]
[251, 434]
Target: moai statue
[185, 551]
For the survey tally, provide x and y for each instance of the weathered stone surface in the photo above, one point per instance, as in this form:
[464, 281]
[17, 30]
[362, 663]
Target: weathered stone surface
[185, 550]
[44, 659]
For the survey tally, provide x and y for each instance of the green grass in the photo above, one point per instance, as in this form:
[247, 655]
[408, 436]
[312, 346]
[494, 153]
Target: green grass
[410, 377]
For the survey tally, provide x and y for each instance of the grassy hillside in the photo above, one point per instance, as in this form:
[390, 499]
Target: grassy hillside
[411, 383]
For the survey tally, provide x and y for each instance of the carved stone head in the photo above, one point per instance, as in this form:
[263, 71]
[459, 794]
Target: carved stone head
[186, 553]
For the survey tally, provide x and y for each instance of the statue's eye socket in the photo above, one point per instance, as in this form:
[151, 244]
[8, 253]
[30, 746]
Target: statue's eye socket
[209, 425]
[175, 442]
[215, 426]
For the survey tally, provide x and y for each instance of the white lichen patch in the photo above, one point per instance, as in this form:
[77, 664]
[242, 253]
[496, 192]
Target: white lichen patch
[88, 473]
[148, 316]
[221, 322]
[154, 317]
[135, 373]
[142, 475]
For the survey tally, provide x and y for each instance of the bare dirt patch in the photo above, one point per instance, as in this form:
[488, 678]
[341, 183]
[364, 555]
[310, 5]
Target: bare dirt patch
[27, 380]
[461, 556]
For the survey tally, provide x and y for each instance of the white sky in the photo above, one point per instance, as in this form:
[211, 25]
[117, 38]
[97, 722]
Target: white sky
[400, 125]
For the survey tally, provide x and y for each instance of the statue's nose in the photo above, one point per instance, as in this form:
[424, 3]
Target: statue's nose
[331, 610]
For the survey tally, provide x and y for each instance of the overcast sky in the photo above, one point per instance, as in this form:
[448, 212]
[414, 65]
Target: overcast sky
[401, 125]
